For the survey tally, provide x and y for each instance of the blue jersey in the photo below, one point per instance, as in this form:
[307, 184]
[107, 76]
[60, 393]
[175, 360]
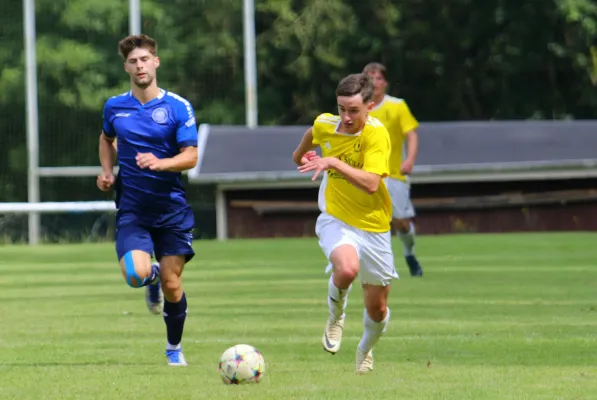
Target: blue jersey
[162, 126]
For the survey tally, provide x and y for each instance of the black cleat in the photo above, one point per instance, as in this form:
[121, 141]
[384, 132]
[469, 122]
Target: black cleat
[413, 265]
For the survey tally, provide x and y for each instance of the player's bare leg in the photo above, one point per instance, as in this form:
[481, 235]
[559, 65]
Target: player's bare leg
[175, 307]
[345, 261]
[375, 319]
[135, 266]
[406, 234]
[138, 271]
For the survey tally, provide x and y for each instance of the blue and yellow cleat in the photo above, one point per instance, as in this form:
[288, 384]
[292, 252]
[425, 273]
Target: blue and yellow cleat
[154, 298]
[176, 358]
[413, 265]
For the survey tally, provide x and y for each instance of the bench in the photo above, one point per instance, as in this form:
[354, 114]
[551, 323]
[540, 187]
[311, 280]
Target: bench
[262, 207]
[514, 199]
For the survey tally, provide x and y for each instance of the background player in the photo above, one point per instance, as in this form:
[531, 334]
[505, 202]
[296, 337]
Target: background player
[157, 140]
[401, 124]
[354, 224]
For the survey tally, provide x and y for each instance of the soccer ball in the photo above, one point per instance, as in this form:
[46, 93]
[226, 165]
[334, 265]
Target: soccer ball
[241, 364]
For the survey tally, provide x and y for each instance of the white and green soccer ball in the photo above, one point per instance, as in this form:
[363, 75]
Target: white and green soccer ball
[241, 364]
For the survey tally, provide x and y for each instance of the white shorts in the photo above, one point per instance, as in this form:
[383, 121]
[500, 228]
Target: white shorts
[374, 249]
[402, 207]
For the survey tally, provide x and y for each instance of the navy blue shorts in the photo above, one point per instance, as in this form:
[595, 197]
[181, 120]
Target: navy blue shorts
[171, 235]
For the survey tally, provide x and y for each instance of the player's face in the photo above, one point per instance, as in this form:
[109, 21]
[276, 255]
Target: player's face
[353, 112]
[141, 66]
[379, 82]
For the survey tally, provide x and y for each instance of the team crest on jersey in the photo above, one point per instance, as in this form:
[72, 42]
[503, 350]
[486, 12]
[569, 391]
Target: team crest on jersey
[357, 146]
[160, 115]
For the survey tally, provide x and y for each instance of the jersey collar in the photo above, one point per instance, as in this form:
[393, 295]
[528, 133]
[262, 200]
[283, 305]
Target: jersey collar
[158, 97]
[347, 134]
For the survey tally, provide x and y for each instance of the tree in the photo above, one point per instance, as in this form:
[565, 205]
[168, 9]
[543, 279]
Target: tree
[456, 60]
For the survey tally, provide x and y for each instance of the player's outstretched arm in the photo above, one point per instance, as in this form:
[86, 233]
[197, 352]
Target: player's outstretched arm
[366, 181]
[303, 152]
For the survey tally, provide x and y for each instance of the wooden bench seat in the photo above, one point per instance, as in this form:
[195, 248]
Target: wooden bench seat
[514, 199]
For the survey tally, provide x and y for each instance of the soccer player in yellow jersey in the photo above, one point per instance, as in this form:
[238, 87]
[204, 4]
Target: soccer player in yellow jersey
[354, 225]
[401, 124]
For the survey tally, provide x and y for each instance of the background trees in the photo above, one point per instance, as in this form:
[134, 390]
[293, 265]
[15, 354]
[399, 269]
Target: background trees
[456, 60]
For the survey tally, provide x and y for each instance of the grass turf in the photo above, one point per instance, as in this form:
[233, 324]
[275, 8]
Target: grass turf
[495, 317]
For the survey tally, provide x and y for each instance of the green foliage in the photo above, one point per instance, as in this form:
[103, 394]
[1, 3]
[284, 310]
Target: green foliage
[453, 60]
[302, 48]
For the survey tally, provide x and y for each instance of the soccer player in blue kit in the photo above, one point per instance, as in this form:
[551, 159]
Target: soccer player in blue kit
[157, 140]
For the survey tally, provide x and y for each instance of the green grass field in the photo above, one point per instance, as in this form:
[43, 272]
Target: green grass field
[495, 317]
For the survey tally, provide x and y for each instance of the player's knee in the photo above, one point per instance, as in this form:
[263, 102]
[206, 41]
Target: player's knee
[402, 225]
[347, 268]
[134, 270]
[377, 312]
[345, 260]
[171, 285]
[376, 301]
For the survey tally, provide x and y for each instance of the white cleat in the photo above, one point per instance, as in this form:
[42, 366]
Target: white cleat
[332, 336]
[364, 361]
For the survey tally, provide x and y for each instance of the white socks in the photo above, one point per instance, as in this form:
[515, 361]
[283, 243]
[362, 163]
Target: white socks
[173, 347]
[408, 240]
[337, 299]
[373, 331]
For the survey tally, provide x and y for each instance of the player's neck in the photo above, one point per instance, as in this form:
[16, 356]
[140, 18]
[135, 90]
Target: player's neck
[145, 95]
[349, 131]
[378, 99]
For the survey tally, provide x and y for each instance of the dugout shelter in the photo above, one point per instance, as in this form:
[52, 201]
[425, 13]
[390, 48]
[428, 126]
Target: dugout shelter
[470, 177]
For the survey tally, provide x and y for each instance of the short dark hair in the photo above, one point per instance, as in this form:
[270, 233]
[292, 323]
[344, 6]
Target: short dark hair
[356, 84]
[375, 67]
[129, 43]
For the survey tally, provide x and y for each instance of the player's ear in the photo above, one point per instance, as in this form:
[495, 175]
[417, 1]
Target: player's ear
[157, 61]
[370, 105]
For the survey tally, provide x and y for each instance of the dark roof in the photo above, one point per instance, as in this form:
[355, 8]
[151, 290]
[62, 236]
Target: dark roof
[237, 149]
[239, 153]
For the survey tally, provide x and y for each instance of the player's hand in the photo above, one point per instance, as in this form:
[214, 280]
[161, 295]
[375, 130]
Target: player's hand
[309, 156]
[407, 167]
[318, 165]
[148, 160]
[105, 181]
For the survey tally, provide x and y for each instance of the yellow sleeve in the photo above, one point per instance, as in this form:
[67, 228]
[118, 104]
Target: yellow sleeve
[377, 152]
[317, 127]
[407, 120]
[316, 132]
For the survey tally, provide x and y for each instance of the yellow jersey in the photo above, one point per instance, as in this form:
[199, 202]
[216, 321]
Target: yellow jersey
[368, 150]
[397, 118]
